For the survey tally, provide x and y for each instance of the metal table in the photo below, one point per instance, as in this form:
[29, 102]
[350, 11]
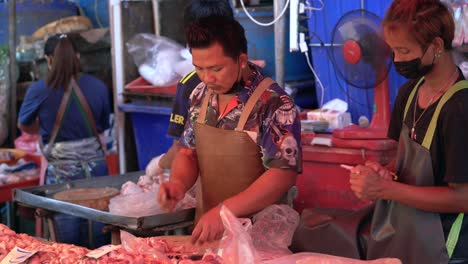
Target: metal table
[41, 197]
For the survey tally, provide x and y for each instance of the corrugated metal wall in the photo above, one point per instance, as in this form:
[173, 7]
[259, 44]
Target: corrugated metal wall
[321, 24]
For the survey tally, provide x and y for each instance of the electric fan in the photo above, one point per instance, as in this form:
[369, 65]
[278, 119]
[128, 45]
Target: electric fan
[363, 59]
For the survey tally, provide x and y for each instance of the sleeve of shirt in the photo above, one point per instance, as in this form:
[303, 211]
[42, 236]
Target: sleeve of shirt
[102, 122]
[180, 106]
[188, 136]
[35, 96]
[281, 136]
[454, 126]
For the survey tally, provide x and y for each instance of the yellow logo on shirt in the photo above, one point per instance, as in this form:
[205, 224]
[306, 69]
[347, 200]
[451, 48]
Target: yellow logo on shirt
[187, 77]
[178, 119]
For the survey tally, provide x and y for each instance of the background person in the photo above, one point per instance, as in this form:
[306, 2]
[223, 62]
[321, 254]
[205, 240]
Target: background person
[69, 143]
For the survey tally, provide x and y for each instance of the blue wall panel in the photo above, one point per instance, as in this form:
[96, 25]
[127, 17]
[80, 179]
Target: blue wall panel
[261, 45]
[32, 15]
[321, 24]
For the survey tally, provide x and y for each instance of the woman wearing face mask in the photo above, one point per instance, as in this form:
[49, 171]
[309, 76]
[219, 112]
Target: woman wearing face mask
[419, 218]
[421, 199]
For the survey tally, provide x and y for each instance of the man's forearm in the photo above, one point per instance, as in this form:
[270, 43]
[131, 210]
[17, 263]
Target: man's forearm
[184, 167]
[166, 160]
[266, 190]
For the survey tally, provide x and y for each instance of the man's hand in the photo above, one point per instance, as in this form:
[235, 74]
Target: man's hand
[209, 228]
[153, 168]
[170, 193]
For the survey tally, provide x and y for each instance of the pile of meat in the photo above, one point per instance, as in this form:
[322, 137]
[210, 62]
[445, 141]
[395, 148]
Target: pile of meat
[56, 253]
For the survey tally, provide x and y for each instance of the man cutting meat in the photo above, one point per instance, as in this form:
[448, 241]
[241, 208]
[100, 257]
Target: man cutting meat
[242, 136]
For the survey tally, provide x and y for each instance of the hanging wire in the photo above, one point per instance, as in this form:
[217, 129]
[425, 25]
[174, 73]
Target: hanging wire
[96, 14]
[261, 23]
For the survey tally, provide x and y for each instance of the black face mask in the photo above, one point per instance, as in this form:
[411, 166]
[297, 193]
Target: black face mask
[412, 69]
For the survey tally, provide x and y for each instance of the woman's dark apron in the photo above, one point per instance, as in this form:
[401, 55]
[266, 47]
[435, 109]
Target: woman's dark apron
[396, 230]
[229, 160]
[75, 159]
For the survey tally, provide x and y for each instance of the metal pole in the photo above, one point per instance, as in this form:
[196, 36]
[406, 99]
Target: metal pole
[157, 26]
[279, 42]
[12, 47]
[118, 77]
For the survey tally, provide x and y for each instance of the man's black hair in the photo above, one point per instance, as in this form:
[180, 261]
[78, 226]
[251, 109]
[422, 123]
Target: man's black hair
[225, 31]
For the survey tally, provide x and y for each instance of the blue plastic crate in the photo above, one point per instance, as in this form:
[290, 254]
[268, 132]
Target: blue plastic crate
[150, 125]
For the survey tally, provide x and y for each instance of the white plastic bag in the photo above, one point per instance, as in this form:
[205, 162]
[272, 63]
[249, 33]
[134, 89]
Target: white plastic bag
[272, 231]
[125, 204]
[236, 245]
[156, 58]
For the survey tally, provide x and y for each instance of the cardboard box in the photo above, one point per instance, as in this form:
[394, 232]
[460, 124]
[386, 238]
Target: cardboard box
[335, 119]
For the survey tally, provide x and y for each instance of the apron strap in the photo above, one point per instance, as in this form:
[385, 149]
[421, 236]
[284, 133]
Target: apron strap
[88, 114]
[431, 129]
[410, 98]
[262, 86]
[454, 233]
[60, 113]
[202, 115]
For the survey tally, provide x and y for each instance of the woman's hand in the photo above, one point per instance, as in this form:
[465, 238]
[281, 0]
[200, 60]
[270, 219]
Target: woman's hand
[367, 183]
[209, 228]
[382, 171]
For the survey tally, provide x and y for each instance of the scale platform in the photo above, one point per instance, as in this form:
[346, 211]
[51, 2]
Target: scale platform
[41, 197]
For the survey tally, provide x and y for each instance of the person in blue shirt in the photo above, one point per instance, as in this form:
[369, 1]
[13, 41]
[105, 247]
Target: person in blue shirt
[70, 136]
[39, 108]
[195, 10]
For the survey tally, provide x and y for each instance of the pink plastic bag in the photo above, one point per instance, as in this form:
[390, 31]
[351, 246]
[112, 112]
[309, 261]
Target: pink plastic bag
[27, 142]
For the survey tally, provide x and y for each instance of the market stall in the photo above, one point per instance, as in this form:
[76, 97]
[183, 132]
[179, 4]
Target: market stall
[18, 170]
[237, 246]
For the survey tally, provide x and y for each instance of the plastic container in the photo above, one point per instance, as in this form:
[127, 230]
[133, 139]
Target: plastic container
[140, 85]
[150, 125]
[33, 14]
[260, 44]
[323, 183]
[6, 189]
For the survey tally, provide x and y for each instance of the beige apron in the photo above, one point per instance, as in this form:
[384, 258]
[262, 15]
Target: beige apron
[229, 160]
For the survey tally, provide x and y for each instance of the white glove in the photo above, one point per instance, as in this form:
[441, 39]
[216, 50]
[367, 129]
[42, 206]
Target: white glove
[153, 168]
